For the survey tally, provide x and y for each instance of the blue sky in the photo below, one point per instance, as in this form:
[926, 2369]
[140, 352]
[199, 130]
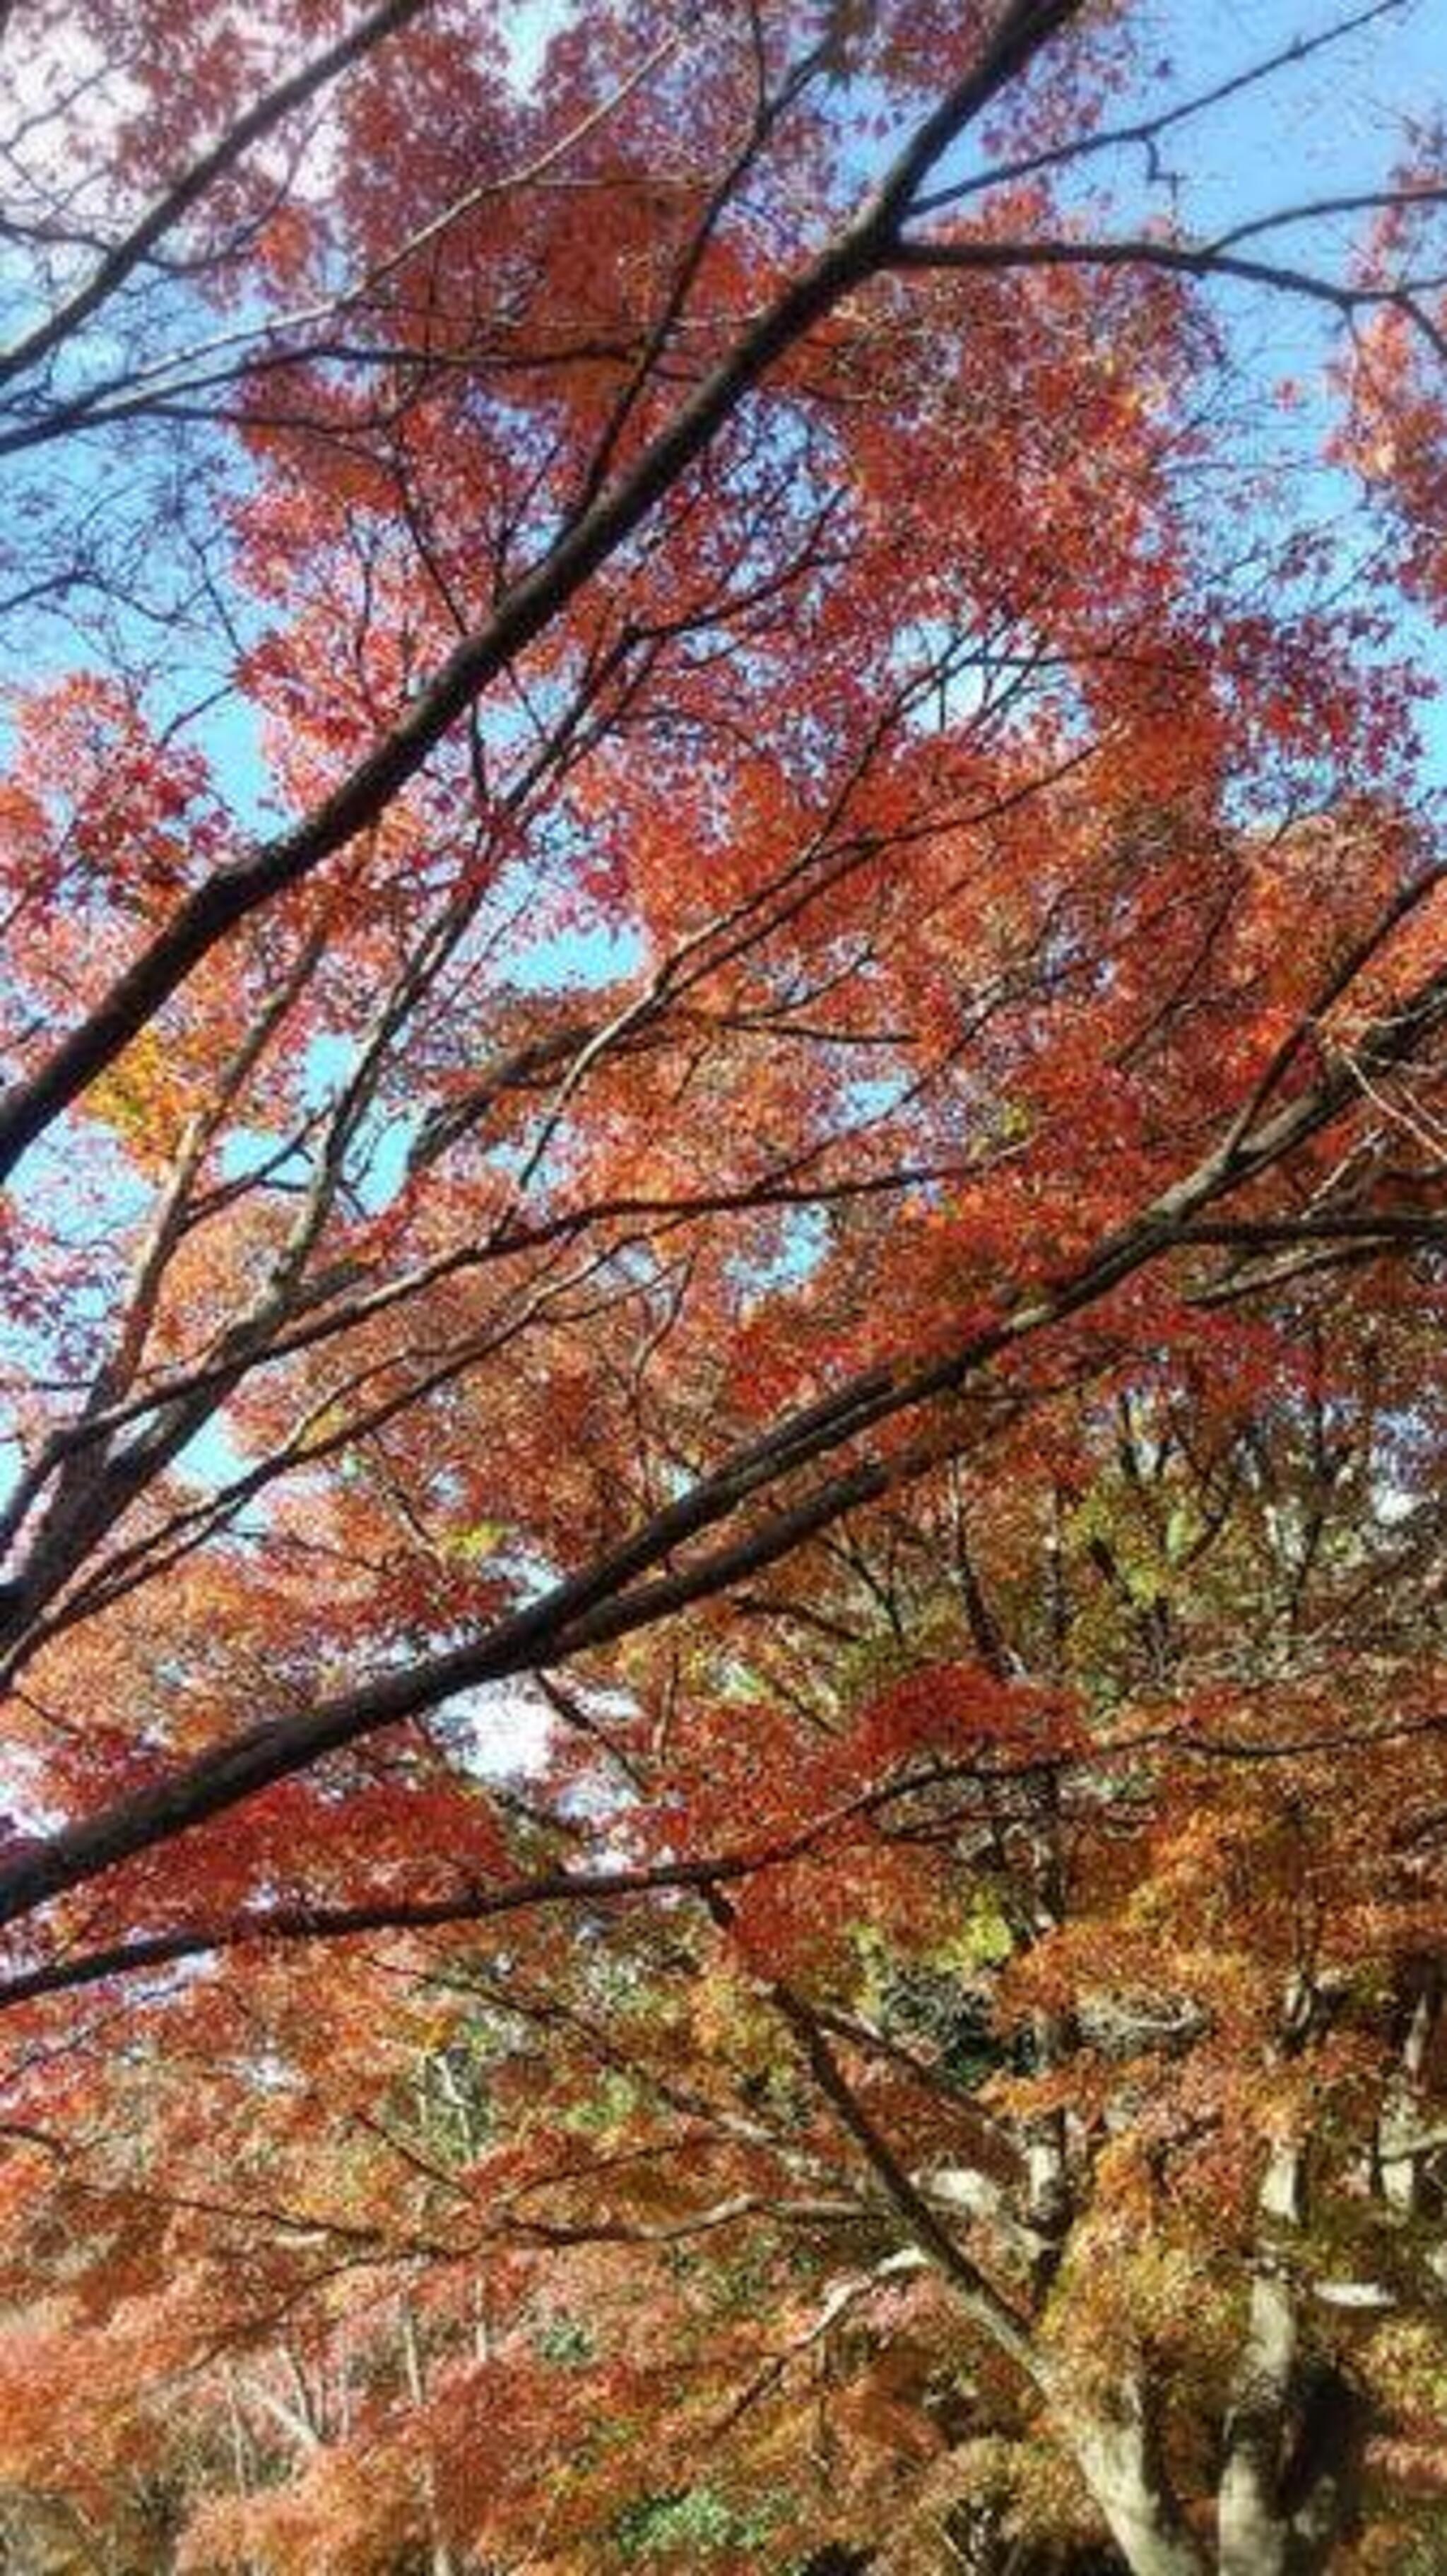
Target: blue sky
[1314, 131]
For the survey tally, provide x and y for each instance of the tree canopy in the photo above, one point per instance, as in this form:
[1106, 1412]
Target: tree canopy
[724, 1219]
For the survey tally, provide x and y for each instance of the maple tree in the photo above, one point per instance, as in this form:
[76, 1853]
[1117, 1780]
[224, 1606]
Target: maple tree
[723, 1003]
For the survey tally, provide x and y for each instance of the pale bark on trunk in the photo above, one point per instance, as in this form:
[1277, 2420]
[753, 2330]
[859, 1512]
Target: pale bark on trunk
[1115, 2456]
[1253, 2533]
[1253, 2529]
[1399, 2156]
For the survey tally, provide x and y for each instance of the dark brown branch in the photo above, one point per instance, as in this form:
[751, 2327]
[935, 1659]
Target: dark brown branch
[613, 1597]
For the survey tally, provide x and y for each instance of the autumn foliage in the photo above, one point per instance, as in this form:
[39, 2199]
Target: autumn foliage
[724, 1214]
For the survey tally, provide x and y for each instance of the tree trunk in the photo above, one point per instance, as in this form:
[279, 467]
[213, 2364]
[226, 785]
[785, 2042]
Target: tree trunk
[1399, 2159]
[1253, 2529]
[1253, 2532]
[1115, 2455]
